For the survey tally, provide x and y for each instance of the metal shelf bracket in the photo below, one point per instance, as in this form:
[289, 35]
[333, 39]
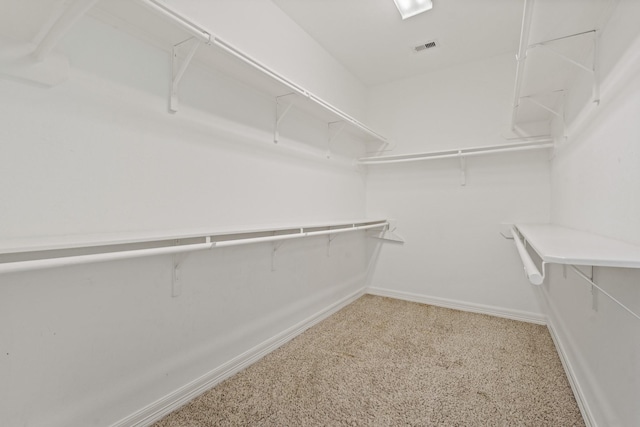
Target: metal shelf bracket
[276, 246]
[593, 70]
[55, 31]
[283, 106]
[334, 129]
[533, 100]
[388, 234]
[179, 66]
[463, 169]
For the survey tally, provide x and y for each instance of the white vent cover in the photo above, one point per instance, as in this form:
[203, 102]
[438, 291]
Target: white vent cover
[431, 44]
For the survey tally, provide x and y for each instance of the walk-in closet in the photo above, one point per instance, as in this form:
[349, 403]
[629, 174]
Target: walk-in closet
[306, 212]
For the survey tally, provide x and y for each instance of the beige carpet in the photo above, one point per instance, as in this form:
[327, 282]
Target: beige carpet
[385, 362]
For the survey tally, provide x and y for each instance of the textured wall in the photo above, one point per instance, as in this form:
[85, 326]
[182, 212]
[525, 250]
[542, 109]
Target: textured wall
[453, 247]
[595, 177]
[89, 345]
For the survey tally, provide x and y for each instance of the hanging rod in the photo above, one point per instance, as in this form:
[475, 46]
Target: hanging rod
[20, 266]
[569, 247]
[530, 269]
[198, 32]
[211, 39]
[541, 143]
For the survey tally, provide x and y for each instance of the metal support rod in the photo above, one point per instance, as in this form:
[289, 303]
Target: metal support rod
[541, 105]
[530, 269]
[566, 58]
[178, 19]
[179, 68]
[582, 33]
[585, 277]
[63, 24]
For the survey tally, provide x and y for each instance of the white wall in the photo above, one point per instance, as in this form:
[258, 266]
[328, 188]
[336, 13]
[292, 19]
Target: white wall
[595, 177]
[453, 248]
[89, 345]
[264, 31]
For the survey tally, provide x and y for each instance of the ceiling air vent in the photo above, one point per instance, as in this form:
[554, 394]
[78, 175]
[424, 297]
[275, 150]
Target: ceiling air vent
[425, 46]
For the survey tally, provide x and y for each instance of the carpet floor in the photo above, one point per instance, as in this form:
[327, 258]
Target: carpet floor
[386, 362]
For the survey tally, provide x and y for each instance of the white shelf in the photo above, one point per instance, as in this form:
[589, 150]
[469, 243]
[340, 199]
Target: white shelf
[561, 245]
[146, 19]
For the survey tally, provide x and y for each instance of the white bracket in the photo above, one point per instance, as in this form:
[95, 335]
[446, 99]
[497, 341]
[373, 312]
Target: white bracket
[56, 30]
[334, 129]
[505, 230]
[559, 114]
[593, 69]
[178, 67]
[463, 169]
[330, 238]
[176, 262]
[36, 62]
[541, 105]
[282, 108]
[594, 291]
[276, 246]
[388, 234]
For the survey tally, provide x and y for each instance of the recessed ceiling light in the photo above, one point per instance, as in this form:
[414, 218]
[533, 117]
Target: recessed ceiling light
[409, 8]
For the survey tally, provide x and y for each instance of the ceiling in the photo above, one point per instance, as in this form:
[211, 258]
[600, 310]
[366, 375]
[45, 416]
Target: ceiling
[371, 40]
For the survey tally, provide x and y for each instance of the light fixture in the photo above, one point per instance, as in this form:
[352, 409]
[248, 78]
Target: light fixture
[409, 8]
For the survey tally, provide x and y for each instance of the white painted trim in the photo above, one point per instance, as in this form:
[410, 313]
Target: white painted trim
[564, 349]
[585, 410]
[174, 400]
[523, 316]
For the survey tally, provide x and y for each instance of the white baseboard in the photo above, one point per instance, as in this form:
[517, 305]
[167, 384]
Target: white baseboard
[563, 348]
[585, 410]
[169, 403]
[523, 316]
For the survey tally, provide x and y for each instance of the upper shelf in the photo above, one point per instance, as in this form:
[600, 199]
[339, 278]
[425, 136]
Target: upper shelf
[559, 42]
[563, 245]
[148, 19]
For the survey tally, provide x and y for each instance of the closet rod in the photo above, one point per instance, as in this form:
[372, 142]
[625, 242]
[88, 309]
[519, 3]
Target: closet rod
[457, 153]
[184, 23]
[20, 266]
[530, 269]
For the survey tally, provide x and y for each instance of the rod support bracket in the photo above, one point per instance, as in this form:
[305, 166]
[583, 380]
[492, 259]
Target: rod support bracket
[283, 106]
[334, 129]
[176, 262]
[463, 169]
[179, 64]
